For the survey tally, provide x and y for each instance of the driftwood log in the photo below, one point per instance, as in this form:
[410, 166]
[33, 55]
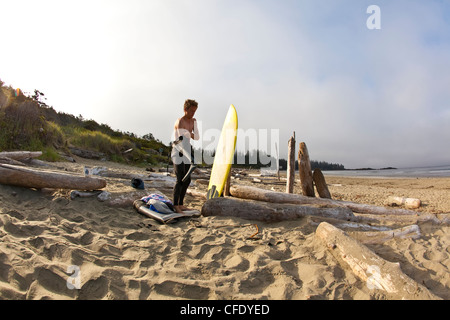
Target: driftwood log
[408, 203]
[6, 160]
[19, 155]
[253, 193]
[369, 267]
[373, 237]
[403, 219]
[347, 225]
[304, 168]
[30, 178]
[196, 193]
[291, 165]
[269, 212]
[321, 185]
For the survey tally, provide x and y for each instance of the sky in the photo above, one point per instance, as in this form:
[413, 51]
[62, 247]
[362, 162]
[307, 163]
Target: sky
[357, 96]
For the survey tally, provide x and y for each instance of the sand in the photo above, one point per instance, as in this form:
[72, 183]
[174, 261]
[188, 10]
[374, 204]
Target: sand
[53, 247]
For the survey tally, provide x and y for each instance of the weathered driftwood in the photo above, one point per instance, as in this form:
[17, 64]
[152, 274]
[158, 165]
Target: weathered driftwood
[347, 225]
[408, 203]
[369, 234]
[402, 219]
[226, 190]
[373, 237]
[291, 165]
[269, 212]
[304, 168]
[248, 192]
[19, 155]
[196, 193]
[369, 267]
[29, 178]
[123, 199]
[84, 194]
[6, 160]
[321, 185]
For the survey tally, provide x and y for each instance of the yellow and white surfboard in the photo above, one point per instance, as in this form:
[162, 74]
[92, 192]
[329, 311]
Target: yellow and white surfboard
[224, 155]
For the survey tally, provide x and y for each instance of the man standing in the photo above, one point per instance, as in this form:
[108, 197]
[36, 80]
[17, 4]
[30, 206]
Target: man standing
[182, 154]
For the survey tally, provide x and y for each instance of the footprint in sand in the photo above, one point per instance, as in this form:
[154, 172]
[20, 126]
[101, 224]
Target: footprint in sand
[181, 290]
[94, 289]
[237, 263]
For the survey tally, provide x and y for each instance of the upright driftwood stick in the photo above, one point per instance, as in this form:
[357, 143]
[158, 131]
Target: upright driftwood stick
[29, 178]
[291, 165]
[269, 212]
[321, 185]
[369, 267]
[304, 168]
[248, 192]
[226, 190]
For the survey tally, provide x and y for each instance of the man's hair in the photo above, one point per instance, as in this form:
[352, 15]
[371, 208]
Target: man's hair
[190, 103]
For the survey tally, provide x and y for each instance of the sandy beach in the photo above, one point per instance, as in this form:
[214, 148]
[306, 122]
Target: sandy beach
[48, 239]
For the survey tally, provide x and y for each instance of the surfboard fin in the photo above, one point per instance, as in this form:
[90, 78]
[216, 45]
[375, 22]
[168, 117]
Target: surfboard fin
[212, 193]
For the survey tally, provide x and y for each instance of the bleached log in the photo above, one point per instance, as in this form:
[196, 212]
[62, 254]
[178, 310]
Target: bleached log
[408, 203]
[304, 168]
[369, 267]
[6, 160]
[291, 165]
[373, 237]
[402, 219]
[84, 194]
[248, 192]
[196, 193]
[123, 199]
[321, 185]
[347, 225]
[269, 212]
[30, 178]
[19, 155]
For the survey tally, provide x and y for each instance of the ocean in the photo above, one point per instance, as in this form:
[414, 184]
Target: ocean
[422, 172]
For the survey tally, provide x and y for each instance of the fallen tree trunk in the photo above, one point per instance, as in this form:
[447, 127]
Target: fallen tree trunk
[304, 168]
[29, 178]
[18, 155]
[248, 192]
[369, 267]
[269, 212]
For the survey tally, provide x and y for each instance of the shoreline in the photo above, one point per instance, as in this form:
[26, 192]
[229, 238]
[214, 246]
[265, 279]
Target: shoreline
[124, 255]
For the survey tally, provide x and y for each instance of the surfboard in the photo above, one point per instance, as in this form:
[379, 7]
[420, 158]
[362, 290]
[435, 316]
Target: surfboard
[140, 206]
[224, 155]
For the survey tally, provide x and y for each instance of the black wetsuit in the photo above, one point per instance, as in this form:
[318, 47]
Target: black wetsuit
[180, 169]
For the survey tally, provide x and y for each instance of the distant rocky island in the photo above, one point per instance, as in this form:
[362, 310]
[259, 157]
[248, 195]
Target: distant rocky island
[366, 169]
